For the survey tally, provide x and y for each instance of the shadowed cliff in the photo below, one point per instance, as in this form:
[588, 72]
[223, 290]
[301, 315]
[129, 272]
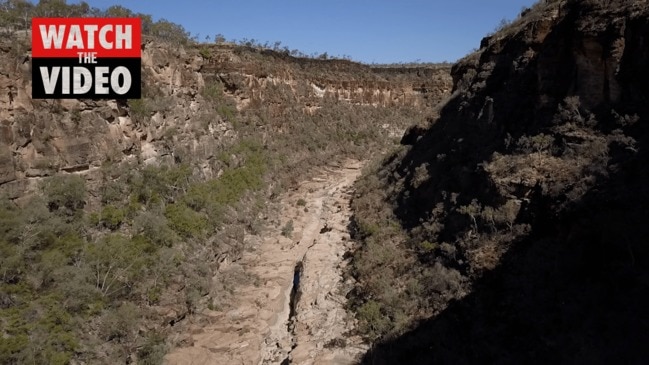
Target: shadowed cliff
[521, 210]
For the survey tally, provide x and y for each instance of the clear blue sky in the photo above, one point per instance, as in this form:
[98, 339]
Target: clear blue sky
[381, 31]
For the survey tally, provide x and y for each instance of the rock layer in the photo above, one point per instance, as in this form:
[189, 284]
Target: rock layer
[39, 138]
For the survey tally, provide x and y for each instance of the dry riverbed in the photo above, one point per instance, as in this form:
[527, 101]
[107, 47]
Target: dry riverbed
[294, 312]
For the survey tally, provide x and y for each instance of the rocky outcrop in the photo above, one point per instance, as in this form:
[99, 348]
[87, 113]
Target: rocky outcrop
[173, 123]
[43, 137]
[310, 80]
[521, 206]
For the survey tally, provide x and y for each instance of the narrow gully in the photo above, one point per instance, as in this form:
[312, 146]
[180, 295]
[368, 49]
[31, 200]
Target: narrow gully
[284, 321]
[295, 292]
[294, 298]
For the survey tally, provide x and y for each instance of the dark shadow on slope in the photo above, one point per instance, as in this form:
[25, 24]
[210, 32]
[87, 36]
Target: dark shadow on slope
[576, 289]
[501, 105]
[575, 295]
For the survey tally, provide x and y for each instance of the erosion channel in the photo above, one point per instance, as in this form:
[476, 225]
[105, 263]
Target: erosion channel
[294, 311]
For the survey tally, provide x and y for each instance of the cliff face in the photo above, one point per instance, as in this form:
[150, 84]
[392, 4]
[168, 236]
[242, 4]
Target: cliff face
[39, 138]
[43, 137]
[310, 80]
[524, 200]
[563, 79]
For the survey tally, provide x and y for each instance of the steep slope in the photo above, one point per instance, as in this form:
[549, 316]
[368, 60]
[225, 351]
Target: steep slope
[514, 226]
[188, 109]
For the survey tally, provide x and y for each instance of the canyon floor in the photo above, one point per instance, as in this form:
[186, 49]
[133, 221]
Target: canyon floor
[271, 322]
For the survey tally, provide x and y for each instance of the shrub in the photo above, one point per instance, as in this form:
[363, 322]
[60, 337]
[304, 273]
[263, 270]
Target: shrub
[112, 217]
[170, 132]
[153, 350]
[205, 52]
[139, 109]
[427, 246]
[120, 324]
[155, 185]
[65, 194]
[287, 230]
[155, 228]
[187, 222]
[214, 195]
[115, 262]
[227, 111]
[373, 323]
[213, 91]
[170, 32]
[111, 191]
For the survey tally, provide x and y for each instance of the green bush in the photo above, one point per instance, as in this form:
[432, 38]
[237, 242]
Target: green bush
[41, 332]
[153, 350]
[115, 263]
[214, 195]
[155, 228]
[154, 185]
[11, 347]
[287, 230]
[187, 222]
[205, 52]
[427, 246]
[112, 217]
[139, 109]
[65, 194]
[94, 219]
[228, 112]
[213, 91]
[373, 323]
[366, 229]
[120, 324]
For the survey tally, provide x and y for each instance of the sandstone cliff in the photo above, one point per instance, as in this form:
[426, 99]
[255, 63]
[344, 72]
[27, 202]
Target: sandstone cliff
[40, 138]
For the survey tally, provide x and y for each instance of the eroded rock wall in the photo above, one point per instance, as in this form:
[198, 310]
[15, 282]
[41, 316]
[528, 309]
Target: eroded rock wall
[173, 122]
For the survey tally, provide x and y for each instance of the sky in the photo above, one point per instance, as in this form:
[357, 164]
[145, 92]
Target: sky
[369, 31]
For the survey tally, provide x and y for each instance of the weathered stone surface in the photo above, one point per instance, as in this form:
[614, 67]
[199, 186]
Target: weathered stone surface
[257, 328]
[7, 172]
[65, 135]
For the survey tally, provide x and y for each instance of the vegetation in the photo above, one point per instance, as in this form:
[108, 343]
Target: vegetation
[287, 230]
[494, 230]
[90, 261]
[62, 277]
[88, 265]
[17, 15]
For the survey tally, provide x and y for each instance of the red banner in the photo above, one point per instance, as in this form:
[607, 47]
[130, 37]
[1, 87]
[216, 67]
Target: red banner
[68, 37]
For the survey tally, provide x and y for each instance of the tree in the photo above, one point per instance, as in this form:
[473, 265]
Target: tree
[16, 14]
[147, 23]
[115, 262]
[170, 32]
[219, 39]
[118, 11]
[65, 194]
[52, 8]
